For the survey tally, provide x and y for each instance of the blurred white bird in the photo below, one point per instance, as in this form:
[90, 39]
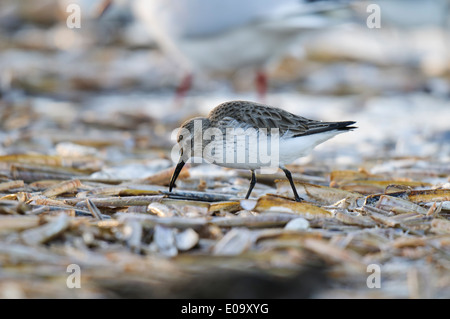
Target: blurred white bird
[218, 35]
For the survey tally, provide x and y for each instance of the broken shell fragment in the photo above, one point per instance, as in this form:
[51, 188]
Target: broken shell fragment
[277, 204]
[164, 238]
[186, 239]
[235, 242]
[44, 233]
[297, 224]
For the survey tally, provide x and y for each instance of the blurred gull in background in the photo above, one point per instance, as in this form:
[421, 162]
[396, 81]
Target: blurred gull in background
[223, 36]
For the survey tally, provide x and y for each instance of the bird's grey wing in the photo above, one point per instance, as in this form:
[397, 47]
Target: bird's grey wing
[245, 115]
[288, 124]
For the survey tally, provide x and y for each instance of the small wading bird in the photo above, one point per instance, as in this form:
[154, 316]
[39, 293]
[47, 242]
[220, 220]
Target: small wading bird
[295, 136]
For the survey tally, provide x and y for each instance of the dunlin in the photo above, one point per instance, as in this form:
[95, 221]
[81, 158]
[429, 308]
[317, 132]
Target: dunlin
[237, 134]
[217, 35]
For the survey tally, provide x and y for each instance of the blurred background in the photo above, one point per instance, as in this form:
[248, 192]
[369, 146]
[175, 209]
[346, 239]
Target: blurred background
[119, 76]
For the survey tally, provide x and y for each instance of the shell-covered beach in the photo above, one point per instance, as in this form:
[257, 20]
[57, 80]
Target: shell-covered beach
[88, 118]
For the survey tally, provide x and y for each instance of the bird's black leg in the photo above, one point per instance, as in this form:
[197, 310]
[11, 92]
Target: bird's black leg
[252, 184]
[289, 177]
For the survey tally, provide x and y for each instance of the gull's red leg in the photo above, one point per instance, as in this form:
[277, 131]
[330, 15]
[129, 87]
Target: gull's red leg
[261, 84]
[183, 88]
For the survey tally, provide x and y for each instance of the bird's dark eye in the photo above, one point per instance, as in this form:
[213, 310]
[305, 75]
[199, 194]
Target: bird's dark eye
[180, 138]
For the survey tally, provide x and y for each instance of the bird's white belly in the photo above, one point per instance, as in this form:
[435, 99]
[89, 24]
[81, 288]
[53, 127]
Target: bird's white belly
[293, 148]
[246, 151]
[254, 151]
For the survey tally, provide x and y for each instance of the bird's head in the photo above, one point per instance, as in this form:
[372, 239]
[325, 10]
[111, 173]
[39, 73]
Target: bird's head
[190, 140]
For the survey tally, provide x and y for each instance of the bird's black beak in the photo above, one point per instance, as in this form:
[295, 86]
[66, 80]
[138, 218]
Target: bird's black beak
[175, 174]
